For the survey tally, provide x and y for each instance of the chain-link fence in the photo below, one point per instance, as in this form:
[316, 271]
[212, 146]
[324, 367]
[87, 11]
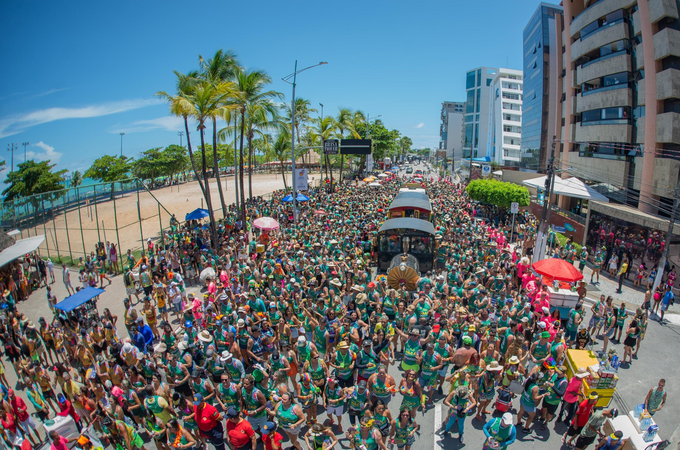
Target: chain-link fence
[74, 220]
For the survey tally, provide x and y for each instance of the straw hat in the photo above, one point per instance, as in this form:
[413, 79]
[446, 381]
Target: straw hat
[343, 345]
[514, 360]
[361, 299]
[336, 282]
[494, 367]
[204, 336]
[226, 355]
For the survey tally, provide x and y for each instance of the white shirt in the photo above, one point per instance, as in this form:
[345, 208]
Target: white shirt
[66, 275]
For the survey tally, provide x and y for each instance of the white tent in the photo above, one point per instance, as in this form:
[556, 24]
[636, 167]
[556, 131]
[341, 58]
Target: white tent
[20, 248]
[571, 187]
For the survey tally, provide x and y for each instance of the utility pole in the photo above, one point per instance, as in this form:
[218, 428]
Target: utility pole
[543, 229]
[121, 144]
[180, 134]
[25, 144]
[667, 245]
[11, 148]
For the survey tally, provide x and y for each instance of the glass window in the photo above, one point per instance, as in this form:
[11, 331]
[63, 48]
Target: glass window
[612, 113]
[476, 135]
[479, 93]
[468, 135]
[617, 78]
[479, 77]
[470, 104]
[590, 116]
[469, 118]
[470, 80]
[488, 81]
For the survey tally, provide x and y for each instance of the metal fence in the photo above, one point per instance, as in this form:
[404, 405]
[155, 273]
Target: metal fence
[74, 220]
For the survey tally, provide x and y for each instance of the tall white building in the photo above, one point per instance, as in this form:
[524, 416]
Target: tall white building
[505, 117]
[477, 118]
[451, 130]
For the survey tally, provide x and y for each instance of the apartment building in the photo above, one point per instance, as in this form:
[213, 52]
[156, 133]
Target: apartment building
[505, 124]
[451, 131]
[477, 112]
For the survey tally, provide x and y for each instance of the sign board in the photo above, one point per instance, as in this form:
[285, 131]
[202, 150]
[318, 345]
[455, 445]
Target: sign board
[331, 146]
[486, 170]
[559, 229]
[301, 182]
[355, 146]
[369, 163]
[514, 207]
[568, 226]
[540, 197]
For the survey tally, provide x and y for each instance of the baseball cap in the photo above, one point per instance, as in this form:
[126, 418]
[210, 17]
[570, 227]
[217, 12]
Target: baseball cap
[362, 384]
[268, 427]
[467, 340]
[198, 398]
[231, 412]
[506, 419]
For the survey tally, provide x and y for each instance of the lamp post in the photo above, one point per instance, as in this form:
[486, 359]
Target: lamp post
[11, 148]
[180, 134]
[25, 144]
[121, 144]
[292, 128]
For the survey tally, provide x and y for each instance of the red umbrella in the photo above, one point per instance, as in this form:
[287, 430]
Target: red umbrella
[557, 269]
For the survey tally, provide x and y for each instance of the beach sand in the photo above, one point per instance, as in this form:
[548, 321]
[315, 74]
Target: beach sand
[178, 200]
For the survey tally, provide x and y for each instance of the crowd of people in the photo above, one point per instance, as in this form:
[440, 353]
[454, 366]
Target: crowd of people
[291, 335]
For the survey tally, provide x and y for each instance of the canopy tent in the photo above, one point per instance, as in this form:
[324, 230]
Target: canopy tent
[408, 223]
[571, 187]
[79, 298]
[197, 214]
[300, 197]
[20, 248]
[557, 269]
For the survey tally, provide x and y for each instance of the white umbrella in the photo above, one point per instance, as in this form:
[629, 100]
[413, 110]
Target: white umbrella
[375, 184]
[382, 175]
[205, 273]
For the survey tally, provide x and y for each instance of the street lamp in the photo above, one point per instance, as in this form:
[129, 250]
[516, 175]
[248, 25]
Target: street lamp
[180, 134]
[25, 144]
[292, 128]
[121, 144]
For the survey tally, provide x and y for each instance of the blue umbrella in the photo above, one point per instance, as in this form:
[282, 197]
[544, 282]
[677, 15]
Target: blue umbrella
[198, 213]
[300, 197]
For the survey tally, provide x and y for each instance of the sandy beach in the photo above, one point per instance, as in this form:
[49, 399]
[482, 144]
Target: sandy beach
[155, 209]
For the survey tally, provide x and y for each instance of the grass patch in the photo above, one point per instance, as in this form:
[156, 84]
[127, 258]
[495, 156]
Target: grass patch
[562, 241]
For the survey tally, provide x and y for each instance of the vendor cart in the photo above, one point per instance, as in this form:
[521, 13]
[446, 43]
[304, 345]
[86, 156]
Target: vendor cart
[81, 306]
[599, 379]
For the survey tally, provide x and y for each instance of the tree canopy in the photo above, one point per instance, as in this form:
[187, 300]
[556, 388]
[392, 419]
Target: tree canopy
[109, 168]
[33, 178]
[499, 193]
[155, 162]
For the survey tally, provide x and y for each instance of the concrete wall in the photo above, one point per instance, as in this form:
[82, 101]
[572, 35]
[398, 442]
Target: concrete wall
[668, 84]
[658, 9]
[607, 35]
[666, 43]
[620, 63]
[602, 133]
[604, 99]
[668, 127]
[606, 170]
[596, 11]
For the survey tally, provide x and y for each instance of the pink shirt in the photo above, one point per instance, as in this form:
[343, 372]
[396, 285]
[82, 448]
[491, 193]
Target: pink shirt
[573, 388]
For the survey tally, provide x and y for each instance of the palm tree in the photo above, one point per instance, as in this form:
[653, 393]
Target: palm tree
[303, 111]
[323, 130]
[347, 122]
[257, 109]
[280, 150]
[76, 178]
[218, 69]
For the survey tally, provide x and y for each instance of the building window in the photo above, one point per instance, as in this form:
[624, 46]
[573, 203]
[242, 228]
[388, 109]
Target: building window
[488, 81]
[604, 116]
[479, 77]
[601, 23]
[468, 135]
[607, 150]
[470, 80]
[476, 135]
[608, 82]
[470, 104]
[479, 94]
[469, 118]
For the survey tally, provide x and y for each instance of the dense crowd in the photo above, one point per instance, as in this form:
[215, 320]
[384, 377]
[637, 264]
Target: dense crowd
[291, 335]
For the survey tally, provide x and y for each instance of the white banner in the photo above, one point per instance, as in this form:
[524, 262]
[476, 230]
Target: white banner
[301, 181]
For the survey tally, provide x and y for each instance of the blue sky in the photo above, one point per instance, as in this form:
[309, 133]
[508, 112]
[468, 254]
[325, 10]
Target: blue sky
[78, 73]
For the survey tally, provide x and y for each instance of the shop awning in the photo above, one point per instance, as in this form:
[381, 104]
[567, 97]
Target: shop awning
[570, 187]
[79, 298]
[20, 248]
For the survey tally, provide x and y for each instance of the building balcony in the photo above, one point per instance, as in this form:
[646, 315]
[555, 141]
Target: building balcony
[666, 43]
[668, 127]
[667, 84]
[607, 35]
[511, 154]
[603, 66]
[596, 11]
[603, 132]
[605, 97]
[658, 9]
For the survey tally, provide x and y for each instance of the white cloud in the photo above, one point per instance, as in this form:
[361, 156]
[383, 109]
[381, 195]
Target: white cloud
[420, 125]
[51, 91]
[47, 153]
[167, 123]
[18, 123]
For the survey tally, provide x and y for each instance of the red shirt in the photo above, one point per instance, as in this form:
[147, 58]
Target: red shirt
[19, 408]
[9, 424]
[583, 413]
[269, 441]
[206, 417]
[239, 433]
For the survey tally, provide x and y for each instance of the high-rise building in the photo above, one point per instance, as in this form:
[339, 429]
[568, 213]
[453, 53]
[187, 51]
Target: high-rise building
[477, 112]
[540, 66]
[619, 98]
[451, 130]
[505, 126]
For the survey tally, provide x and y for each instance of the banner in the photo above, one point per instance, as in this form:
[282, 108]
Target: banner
[301, 181]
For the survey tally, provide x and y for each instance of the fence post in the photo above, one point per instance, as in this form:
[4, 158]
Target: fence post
[47, 245]
[68, 238]
[80, 222]
[139, 214]
[119, 254]
[96, 215]
[54, 227]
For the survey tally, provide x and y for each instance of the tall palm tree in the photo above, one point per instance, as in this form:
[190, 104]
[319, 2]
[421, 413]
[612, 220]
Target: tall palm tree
[256, 105]
[218, 69]
[323, 129]
[347, 122]
[303, 111]
[280, 150]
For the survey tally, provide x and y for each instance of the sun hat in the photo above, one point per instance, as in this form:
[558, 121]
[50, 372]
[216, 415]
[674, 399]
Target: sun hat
[226, 355]
[467, 340]
[514, 360]
[342, 345]
[204, 336]
[545, 335]
[494, 367]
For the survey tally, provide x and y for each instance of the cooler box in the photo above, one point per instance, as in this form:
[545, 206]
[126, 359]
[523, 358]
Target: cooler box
[605, 394]
[562, 298]
[64, 426]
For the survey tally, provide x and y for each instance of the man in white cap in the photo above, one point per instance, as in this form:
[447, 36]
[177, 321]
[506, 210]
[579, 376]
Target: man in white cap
[500, 430]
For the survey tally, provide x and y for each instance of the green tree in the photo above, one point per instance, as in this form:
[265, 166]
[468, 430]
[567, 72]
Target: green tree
[499, 193]
[149, 165]
[303, 112]
[32, 178]
[221, 68]
[347, 122]
[280, 151]
[76, 178]
[109, 168]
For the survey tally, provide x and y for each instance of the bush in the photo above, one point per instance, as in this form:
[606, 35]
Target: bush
[499, 193]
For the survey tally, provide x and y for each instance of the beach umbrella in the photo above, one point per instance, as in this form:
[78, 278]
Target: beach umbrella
[197, 214]
[557, 269]
[369, 179]
[375, 184]
[383, 175]
[266, 223]
[302, 198]
[209, 272]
